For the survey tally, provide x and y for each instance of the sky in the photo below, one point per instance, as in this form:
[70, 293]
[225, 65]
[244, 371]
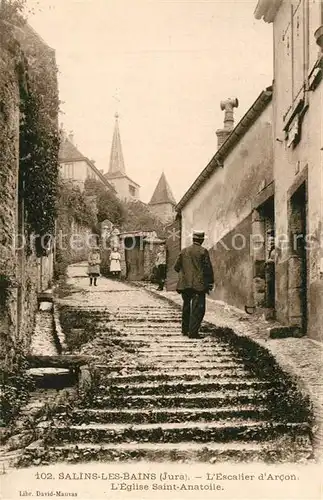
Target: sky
[164, 66]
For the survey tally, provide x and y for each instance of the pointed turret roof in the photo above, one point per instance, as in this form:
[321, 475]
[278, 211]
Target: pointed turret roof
[162, 193]
[116, 157]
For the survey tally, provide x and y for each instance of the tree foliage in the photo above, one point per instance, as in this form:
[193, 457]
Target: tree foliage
[76, 205]
[138, 217]
[108, 205]
[12, 11]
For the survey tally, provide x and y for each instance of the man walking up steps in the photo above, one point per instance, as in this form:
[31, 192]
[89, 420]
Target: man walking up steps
[194, 281]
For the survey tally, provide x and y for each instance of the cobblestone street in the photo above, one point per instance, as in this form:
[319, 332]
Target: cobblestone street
[157, 395]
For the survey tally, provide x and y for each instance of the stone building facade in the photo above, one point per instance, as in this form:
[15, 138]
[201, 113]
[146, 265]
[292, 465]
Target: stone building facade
[75, 166]
[298, 161]
[231, 201]
[22, 274]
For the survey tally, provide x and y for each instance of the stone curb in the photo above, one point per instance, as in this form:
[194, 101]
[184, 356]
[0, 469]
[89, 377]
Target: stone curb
[58, 331]
[285, 363]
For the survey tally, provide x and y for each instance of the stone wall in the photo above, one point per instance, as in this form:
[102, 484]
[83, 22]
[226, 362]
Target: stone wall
[73, 242]
[9, 160]
[20, 280]
[233, 268]
[164, 211]
[150, 255]
[173, 248]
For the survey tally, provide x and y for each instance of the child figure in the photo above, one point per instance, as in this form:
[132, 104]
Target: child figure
[94, 262]
[161, 267]
[115, 265]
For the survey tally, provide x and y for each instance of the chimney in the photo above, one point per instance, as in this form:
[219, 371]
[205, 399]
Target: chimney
[93, 161]
[227, 106]
[71, 137]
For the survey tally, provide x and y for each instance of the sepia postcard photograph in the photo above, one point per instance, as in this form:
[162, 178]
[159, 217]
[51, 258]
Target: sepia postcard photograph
[161, 249]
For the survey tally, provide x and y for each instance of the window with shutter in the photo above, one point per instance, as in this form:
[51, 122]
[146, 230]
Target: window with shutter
[315, 20]
[286, 67]
[298, 43]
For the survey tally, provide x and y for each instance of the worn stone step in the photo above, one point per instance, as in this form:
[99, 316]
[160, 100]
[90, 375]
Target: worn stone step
[52, 378]
[198, 356]
[136, 309]
[113, 307]
[59, 361]
[210, 361]
[108, 331]
[200, 400]
[147, 329]
[221, 431]
[194, 386]
[171, 365]
[187, 352]
[183, 350]
[158, 415]
[239, 452]
[153, 342]
[143, 317]
[172, 343]
[184, 375]
[147, 312]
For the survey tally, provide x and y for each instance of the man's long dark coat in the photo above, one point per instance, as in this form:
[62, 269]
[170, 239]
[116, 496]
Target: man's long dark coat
[195, 269]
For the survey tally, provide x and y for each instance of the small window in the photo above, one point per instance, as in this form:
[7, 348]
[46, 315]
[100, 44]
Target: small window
[70, 170]
[132, 190]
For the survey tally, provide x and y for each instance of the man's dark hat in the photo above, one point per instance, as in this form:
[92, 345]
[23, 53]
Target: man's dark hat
[198, 234]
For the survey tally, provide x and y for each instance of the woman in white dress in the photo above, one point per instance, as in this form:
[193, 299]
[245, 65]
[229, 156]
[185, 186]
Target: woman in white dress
[115, 264]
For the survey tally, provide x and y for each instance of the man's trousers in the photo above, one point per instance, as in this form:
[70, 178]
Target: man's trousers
[193, 311]
[161, 275]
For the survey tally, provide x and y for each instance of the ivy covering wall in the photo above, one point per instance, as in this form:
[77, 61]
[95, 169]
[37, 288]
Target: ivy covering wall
[29, 143]
[36, 75]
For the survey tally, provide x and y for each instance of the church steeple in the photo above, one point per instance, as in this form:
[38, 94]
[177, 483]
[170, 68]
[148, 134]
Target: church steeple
[126, 188]
[116, 156]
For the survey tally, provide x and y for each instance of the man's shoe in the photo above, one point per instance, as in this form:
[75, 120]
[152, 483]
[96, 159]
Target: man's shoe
[195, 336]
[185, 333]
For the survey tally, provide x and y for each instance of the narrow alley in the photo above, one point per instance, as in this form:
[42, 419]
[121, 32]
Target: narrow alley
[157, 395]
[161, 248]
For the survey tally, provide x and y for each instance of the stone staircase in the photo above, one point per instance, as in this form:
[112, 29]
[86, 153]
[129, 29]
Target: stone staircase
[163, 396]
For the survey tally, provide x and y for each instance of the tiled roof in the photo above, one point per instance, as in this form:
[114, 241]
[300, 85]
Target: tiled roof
[69, 152]
[162, 193]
